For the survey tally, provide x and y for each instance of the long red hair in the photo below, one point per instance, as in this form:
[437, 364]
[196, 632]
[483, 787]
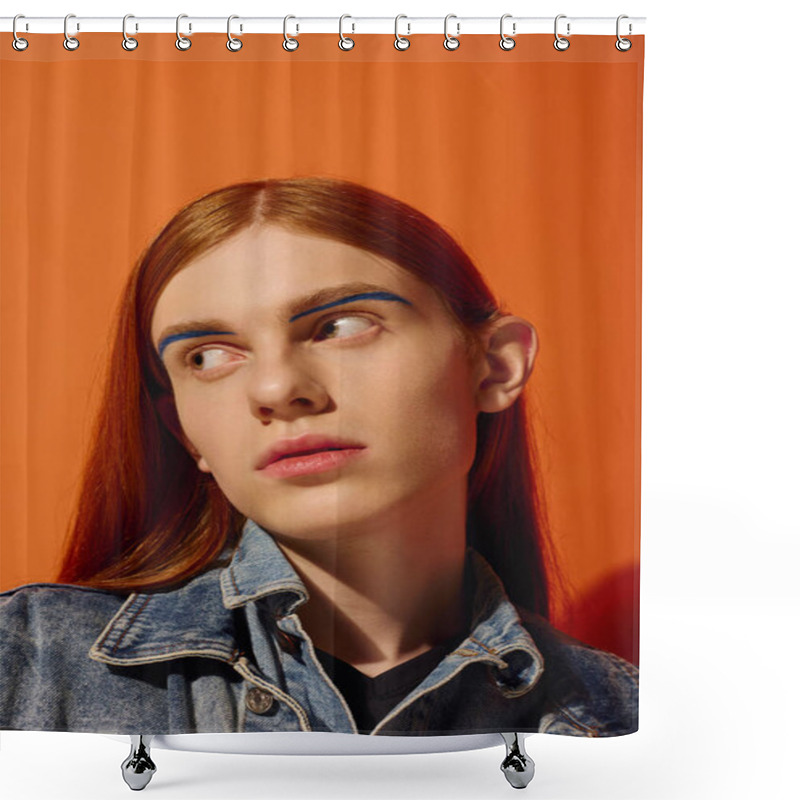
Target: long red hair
[147, 519]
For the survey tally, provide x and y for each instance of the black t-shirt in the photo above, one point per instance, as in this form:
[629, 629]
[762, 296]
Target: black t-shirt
[371, 699]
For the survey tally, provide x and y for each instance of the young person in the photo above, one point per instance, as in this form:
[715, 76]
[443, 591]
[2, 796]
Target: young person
[310, 503]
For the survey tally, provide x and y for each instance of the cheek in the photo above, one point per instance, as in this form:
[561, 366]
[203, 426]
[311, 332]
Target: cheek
[432, 414]
[208, 422]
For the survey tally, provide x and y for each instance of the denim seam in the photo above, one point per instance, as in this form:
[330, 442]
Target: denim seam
[480, 644]
[155, 658]
[118, 620]
[274, 589]
[197, 646]
[45, 585]
[228, 584]
[133, 619]
[193, 644]
[96, 652]
[324, 673]
[235, 583]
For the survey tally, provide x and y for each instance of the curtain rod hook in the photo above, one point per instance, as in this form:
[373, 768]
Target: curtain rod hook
[289, 43]
[507, 42]
[70, 42]
[18, 43]
[561, 43]
[233, 44]
[451, 42]
[128, 42]
[182, 43]
[623, 45]
[345, 42]
[400, 42]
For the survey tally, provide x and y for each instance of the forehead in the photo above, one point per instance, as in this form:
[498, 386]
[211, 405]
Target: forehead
[262, 270]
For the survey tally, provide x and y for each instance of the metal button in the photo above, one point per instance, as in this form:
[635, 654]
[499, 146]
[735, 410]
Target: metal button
[259, 701]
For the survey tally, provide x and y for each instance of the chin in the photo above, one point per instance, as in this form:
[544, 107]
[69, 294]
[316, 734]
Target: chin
[313, 522]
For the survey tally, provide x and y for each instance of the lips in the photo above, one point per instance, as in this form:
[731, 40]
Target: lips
[304, 445]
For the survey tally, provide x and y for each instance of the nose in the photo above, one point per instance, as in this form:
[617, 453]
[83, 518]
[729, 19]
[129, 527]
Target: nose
[284, 386]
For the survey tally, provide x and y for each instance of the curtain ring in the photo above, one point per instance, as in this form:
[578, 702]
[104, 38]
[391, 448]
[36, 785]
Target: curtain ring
[182, 43]
[400, 42]
[623, 45]
[451, 42]
[345, 42]
[128, 42]
[233, 44]
[561, 43]
[289, 43]
[18, 44]
[70, 42]
[506, 42]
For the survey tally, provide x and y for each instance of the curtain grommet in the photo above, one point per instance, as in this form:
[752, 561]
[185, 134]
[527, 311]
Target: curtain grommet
[507, 42]
[18, 43]
[560, 44]
[623, 45]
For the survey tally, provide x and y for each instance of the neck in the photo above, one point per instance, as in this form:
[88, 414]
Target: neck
[385, 591]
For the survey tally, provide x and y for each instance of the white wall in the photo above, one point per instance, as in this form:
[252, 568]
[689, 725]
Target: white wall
[720, 607]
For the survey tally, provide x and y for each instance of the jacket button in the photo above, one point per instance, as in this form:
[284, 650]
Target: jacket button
[259, 701]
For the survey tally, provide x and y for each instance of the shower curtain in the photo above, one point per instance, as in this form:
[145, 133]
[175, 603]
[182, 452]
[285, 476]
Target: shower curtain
[320, 385]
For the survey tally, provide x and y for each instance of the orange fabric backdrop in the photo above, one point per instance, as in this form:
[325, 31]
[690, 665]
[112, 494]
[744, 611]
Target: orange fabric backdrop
[531, 158]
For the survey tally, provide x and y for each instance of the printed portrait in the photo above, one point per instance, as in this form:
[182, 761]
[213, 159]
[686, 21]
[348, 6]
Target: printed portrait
[320, 415]
[311, 499]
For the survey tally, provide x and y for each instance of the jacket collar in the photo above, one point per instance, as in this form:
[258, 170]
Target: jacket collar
[498, 635]
[197, 618]
[259, 569]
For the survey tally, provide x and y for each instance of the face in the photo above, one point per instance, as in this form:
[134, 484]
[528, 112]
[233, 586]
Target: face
[373, 363]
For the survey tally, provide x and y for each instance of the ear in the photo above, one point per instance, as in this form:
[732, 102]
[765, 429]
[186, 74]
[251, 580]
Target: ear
[510, 347]
[165, 405]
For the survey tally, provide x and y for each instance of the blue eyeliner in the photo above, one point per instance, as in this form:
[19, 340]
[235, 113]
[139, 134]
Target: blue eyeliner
[341, 301]
[188, 335]
[350, 299]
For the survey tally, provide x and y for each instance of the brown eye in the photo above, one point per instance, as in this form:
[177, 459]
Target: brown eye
[344, 326]
[203, 360]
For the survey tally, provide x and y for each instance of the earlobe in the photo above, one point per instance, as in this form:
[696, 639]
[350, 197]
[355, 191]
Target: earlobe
[510, 350]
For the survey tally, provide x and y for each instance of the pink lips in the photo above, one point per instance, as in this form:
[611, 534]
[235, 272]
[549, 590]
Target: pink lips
[307, 454]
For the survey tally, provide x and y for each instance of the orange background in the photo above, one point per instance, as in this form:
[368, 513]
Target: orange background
[531, 158]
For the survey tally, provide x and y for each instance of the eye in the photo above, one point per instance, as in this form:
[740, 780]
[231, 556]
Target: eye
[203, 360]
[344, 326]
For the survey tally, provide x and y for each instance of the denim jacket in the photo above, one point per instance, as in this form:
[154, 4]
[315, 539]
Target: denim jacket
[226, 652]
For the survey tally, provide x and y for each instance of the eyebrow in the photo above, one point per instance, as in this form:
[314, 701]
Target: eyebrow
[300, 307]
